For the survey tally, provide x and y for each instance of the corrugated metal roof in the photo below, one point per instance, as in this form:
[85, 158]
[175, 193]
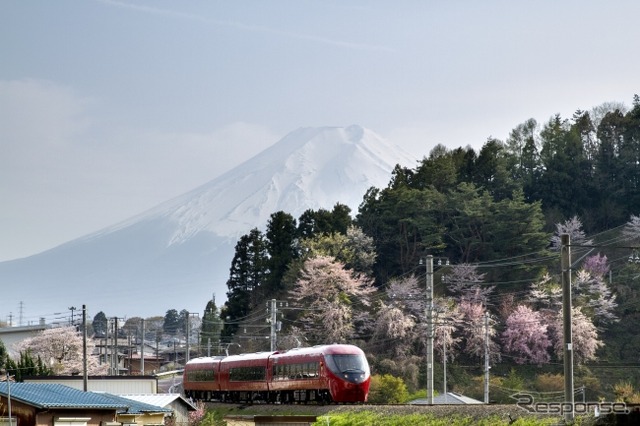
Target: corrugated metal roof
[49, 395]
[159, 399]
[135, 406]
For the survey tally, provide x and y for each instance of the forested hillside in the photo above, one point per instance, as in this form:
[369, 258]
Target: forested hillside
[491, 220]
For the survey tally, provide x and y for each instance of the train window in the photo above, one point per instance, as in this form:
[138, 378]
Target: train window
[296, 371]
[247, 374]
[342, 363]
[201, 375]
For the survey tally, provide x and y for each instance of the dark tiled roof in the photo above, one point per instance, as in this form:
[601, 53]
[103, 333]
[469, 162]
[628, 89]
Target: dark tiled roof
[135, 407]
[49, 395]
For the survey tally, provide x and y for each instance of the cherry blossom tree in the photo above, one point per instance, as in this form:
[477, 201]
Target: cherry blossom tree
[593, 295]
[62, 348]
[525, 336]
[584, 337]
[467, 284]
[394, 331]
[473, 331]
[573, 227]
[329, 294]
[448, 319]
[471, 294]
[631, 230]
[407, 294]
[546, 296]
[398, 319]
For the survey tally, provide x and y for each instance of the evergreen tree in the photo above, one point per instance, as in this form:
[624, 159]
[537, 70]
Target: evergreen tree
[491, 171]
[4, 355]
[211, 327]
[100, 324]
[248, 276]
[404, 224]
[281, 246]
[314, 222]
[439, 171]
[564, 185]
[171, 322]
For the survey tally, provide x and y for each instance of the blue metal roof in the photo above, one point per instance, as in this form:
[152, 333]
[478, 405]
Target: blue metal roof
[49, 395]
[135, 407]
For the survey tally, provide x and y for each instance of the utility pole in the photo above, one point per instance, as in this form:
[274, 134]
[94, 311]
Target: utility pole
[444, 366]
[273, 320]
[8, 379]
[114, 356]
[115, 370]
[429, 290]
[186, 356]
[72, 309]
[565, 260]
[85, 376]
[142, 348]
[189, 315]
[486, 357]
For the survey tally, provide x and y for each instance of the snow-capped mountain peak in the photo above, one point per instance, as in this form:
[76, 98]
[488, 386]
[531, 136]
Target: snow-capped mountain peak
[176, 255]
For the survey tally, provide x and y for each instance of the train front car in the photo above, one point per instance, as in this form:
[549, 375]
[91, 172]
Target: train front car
[324, 374]
[200, 378]
[347, 373]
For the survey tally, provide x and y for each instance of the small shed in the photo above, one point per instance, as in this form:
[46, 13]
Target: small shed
[55, 405]
[139, 413]
[180, 406]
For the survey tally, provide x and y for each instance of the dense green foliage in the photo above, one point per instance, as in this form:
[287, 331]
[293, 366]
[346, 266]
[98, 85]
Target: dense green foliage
[211, 325]
[386, 389]
[368, 418]
[26, 366]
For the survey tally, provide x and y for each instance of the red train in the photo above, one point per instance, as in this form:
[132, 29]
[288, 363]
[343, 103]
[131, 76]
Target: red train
[325, 374]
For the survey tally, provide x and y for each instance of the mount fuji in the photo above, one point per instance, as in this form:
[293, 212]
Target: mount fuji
[177, 255]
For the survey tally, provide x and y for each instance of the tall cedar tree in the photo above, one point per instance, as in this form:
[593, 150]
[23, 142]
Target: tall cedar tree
[171, 323]
[211, 327]
[100, 324]
[281, 245]
[248, 278]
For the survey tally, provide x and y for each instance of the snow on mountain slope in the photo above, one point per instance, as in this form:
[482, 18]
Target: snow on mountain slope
[176, 255]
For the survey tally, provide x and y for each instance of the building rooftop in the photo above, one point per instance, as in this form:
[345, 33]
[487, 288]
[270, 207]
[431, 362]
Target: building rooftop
[49, 395]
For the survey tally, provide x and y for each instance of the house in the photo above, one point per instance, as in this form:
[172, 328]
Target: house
[134, 364]
[10, 336]
[139, 413]
[41, 404]
[180, 406]
[115, 385]
[47, 404]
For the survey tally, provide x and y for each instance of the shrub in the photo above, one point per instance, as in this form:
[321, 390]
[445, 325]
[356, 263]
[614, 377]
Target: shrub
[624, 392]
[386, 389]
[548, 382]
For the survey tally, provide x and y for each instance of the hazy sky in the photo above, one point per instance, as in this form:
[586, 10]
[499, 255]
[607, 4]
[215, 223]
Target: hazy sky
[108, 108]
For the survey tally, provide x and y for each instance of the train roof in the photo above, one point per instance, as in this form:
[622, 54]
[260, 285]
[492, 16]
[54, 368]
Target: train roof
[323, 349]
[245, 356]
[205, 360]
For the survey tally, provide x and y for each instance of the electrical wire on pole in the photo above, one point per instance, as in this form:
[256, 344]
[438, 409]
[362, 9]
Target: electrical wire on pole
[429, 291]
[565, 261]
[486, 357]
